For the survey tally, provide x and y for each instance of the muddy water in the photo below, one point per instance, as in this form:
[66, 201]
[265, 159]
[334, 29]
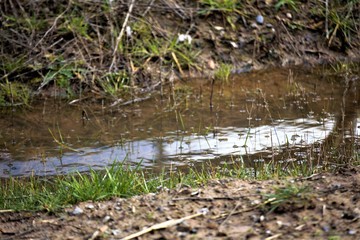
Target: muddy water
[254, 117]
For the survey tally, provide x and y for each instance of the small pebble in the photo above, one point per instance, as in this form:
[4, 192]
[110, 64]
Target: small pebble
[161, 209]
[106, 219]
[254, 25]
[352, 232]
[204, 211]
[233, 44]
[326, 228]
[259, 19]
[77, 211]
[115, 232]
[288, 15]
[90, 206]
[254, 218]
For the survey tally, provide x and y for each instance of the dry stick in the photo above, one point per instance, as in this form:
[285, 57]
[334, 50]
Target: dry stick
[274, 236]
[230, 214]
[118, 39]
[291, 38]
[327, 19]
[206, 198]
[54, 24]
[162, 225]
[7, 210]
[176, 8]
[148, 8]
[211, 93]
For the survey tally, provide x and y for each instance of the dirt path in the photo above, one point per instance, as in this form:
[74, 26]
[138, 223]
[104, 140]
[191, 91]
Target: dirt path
[327, 208]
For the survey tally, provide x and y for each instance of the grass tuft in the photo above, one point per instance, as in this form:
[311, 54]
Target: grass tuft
[290, 196]
[52, 194]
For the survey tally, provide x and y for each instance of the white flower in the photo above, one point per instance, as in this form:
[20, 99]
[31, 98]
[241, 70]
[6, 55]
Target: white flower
[183, 38]
[128, 31]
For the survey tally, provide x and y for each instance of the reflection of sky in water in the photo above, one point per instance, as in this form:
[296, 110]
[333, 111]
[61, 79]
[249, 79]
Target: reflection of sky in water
[177, 149]
[240, 141]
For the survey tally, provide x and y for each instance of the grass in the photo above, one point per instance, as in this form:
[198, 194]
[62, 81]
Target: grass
[288, 3]
[222, 74]
[14, 94]
[51, 194]
[220, 5]
[289, 195]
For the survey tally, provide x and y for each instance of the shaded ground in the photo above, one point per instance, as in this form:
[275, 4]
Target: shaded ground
[327, 208]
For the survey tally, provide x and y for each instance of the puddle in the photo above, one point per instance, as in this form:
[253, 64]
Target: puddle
[255, 117]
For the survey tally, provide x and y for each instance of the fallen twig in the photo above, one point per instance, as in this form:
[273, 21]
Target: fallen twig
[162, 225]
[205, 198]
[118, 39]
[6, 210]
[136, 100]
[274, 236]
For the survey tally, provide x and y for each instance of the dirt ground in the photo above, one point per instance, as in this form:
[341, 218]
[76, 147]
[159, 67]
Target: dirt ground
[224, 209]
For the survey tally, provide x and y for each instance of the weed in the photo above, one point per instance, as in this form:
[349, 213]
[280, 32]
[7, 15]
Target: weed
[289, 3]
[115, 83]
[168, 52]
[344, 68]
[222, 74]
[14, 94]
[220, 5]
[78, 25]
[97, 186]
[61, 142]
[334, 238]
[62, 74]
[341, 22]
[290, 196]
[228, 8]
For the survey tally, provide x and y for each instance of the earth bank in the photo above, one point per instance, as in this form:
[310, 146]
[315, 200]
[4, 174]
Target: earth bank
[322, 206]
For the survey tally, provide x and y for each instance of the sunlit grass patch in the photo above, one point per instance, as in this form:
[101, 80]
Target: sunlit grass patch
[222, 74]
[119, 180]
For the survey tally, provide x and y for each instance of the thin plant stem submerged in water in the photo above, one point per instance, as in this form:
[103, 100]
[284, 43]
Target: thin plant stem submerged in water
[61, 142]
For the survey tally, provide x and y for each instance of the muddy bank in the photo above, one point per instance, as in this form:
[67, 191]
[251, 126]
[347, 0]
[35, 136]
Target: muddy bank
[67, 49]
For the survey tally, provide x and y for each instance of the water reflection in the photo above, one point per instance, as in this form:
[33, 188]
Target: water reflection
[255, 115]
[343, 138]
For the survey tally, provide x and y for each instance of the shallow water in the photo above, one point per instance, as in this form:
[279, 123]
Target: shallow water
[255, 117]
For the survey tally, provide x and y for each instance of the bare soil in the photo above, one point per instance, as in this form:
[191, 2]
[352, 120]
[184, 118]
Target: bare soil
[234, 209]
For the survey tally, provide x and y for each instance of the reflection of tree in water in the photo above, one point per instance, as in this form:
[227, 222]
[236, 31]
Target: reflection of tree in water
[341, 144]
